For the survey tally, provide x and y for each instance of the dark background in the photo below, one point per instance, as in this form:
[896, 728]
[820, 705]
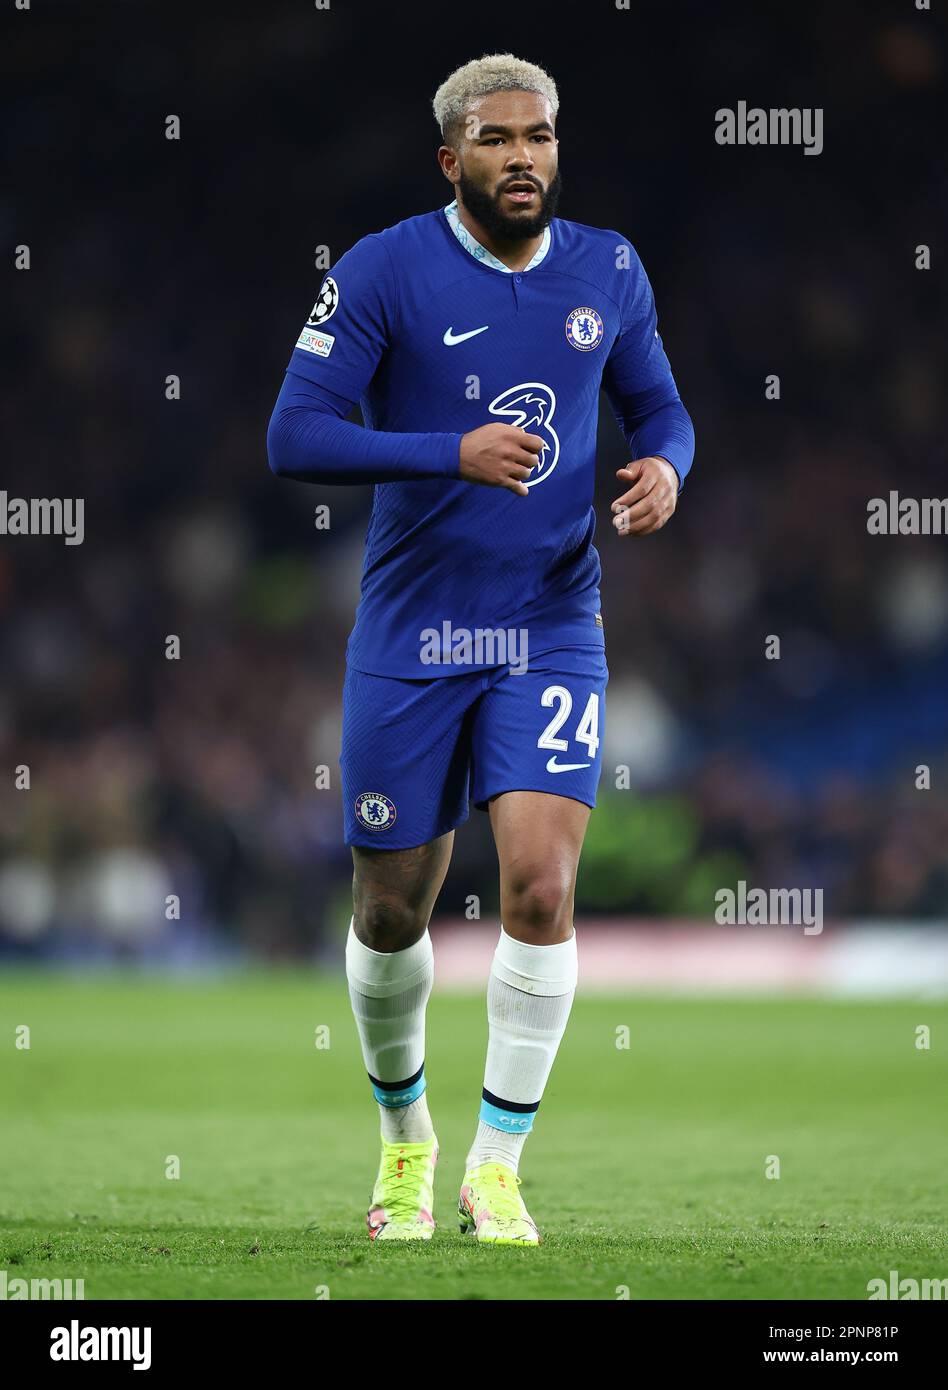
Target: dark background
[303, 128]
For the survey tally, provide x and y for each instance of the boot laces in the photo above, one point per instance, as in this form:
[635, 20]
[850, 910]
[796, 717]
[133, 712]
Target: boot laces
[402, 1176]
[504, 1200]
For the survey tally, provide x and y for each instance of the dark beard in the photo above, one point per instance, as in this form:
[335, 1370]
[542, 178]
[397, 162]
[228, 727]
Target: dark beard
[486, 209]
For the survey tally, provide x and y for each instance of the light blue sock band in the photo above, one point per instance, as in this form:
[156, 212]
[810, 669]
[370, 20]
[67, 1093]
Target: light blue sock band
[394, 1099]
[510, 1121]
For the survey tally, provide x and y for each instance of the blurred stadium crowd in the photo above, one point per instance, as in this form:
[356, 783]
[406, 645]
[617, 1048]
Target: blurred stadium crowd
[195, 777]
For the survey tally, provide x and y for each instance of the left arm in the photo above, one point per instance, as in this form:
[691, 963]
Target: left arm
[638, 381]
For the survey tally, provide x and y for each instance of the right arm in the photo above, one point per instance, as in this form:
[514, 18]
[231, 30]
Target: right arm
[310, 440]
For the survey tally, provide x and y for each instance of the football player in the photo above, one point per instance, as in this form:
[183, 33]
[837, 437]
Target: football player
[477, 338]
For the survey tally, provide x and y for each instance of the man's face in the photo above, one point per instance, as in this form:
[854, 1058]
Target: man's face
[507, 164]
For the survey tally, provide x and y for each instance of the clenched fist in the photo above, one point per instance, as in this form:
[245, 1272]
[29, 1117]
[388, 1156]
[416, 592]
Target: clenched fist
[500, 456]
[650, 502]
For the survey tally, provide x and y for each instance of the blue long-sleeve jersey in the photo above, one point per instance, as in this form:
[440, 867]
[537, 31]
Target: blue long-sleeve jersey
[434, 338]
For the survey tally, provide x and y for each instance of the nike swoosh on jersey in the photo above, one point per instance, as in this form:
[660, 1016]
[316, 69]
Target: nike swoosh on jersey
[554, 766]
[450, 337]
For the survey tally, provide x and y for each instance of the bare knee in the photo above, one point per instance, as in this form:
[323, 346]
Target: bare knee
[393, 893]
[537, 904]
[387, 924]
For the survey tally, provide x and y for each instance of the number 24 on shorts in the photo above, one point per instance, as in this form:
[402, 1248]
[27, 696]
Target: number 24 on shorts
[586, 732]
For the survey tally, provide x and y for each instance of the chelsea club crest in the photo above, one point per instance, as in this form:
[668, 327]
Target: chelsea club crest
[375, 811]
[584, 329]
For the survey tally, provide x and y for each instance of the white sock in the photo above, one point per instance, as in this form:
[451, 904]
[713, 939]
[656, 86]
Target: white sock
[529, 995]
[389, 992]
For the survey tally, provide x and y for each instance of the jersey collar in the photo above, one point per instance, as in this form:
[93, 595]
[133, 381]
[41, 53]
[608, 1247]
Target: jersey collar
[481, 253]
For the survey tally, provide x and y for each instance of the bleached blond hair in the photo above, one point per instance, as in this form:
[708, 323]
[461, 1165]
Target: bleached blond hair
[495, 72]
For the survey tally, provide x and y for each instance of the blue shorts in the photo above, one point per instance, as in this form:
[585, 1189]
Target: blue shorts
[415, 752]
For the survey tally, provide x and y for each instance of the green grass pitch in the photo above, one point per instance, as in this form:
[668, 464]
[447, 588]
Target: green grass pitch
[645, 1171]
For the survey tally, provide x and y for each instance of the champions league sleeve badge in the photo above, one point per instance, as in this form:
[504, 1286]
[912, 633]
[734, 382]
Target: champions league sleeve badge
[326, 303]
